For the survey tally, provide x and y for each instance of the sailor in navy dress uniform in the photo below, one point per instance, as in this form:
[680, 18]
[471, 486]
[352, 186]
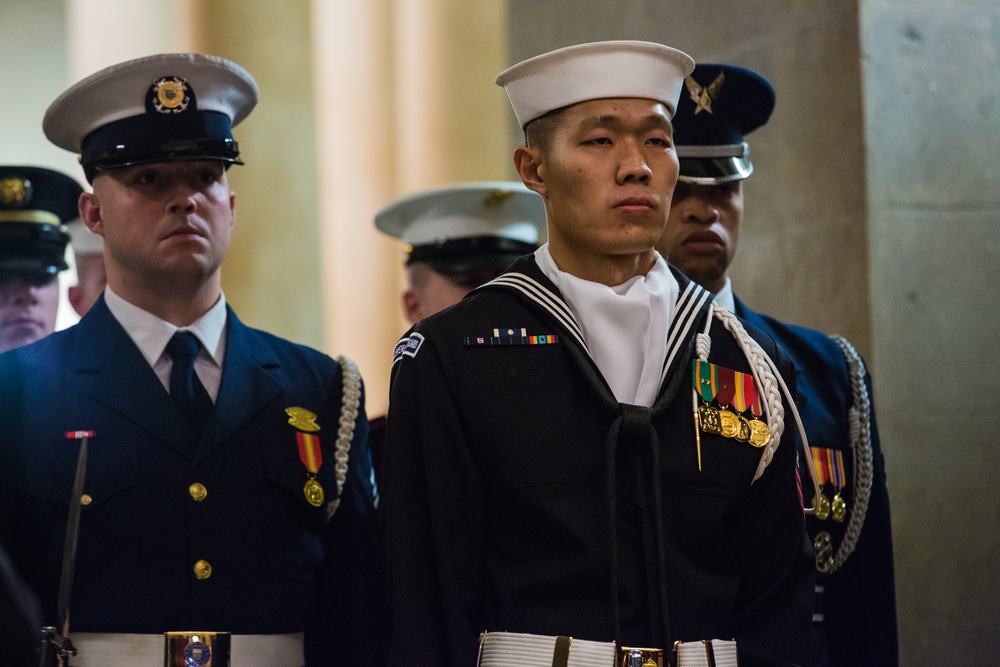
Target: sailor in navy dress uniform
[532, 493]
[261, 524]
[855, 617]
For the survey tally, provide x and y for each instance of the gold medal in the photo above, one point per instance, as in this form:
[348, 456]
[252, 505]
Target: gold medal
[823, 546]
[744, 434]
[838, 508]
[313, 491]
[302, 419]
[709, 418]
[822, 506]
[759, 433]
[730, 423]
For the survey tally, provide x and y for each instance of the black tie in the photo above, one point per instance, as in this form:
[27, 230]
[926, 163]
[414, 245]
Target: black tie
[185, 387]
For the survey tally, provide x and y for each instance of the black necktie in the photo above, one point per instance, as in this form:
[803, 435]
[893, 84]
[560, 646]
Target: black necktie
[185, 387]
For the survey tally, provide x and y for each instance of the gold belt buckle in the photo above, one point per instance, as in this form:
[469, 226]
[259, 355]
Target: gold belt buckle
[196, 649]
[629, 656]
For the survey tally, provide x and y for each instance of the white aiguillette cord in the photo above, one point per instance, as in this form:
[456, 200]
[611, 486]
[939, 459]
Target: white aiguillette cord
[767, 377]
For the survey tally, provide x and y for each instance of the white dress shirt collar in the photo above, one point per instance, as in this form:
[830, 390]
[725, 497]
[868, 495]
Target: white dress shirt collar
[151, 334]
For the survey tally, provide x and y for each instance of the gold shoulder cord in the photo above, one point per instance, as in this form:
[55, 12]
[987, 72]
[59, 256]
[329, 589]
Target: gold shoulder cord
[350, 402]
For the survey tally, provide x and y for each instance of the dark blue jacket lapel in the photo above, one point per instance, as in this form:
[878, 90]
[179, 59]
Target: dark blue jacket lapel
[247, 384]
[123, 380]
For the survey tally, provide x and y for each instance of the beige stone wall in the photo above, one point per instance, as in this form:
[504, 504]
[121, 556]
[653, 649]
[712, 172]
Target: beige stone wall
[272, 272]
[932, 124]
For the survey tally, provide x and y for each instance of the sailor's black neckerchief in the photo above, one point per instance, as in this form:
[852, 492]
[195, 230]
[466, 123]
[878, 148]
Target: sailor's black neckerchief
[633, 424]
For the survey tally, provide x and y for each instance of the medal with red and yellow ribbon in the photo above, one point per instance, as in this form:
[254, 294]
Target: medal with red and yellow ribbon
[829, 466]
[310, 452]
[727, 388]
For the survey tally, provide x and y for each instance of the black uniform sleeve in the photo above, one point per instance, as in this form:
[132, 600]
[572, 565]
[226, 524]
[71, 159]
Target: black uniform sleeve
[434, 509]
[352, 623]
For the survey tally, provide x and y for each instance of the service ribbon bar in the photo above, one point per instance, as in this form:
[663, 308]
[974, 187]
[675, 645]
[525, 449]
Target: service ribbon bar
[705, 379]
[310, 452]
[510, 338]
[820, 464]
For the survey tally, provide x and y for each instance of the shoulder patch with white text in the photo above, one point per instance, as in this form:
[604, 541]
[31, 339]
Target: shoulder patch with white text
[407, 347]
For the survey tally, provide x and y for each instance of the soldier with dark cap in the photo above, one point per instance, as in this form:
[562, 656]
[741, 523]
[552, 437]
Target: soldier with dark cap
[34, 204]
[227, 499]
[854, 622]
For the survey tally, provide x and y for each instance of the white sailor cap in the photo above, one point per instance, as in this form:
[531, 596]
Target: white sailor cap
[593, 71]
[466, 223]
[174, 106]
[82, 240]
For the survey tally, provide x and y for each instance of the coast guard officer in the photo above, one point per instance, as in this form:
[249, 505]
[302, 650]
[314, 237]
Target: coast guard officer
[855, 618]
[228, 486]
[556, 473]
[34, 204]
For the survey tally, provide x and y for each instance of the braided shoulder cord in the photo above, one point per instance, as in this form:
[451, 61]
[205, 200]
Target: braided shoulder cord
[860, 432]
[350, 402]
[766, 377]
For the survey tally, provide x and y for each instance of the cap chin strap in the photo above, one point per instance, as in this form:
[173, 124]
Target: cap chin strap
[31, 216]
[741, 149]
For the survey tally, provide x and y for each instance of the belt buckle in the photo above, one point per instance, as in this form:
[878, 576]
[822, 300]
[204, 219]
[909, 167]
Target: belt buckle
[196, 649]
[629, 656]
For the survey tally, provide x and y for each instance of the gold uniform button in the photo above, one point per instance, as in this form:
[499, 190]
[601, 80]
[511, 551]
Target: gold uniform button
[198, 491]
[85, 499]
[202, 569]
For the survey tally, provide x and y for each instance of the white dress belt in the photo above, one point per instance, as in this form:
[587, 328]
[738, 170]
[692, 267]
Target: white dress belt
[116, 649]
[513, 649]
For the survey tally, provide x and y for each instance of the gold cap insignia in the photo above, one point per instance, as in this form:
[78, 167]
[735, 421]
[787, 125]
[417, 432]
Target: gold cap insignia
[496, 198]
[15, 191]
[170, 95]
[302, 419]
[702, 97]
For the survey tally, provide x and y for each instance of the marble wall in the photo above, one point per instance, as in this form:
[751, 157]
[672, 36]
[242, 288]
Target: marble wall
[932, 126]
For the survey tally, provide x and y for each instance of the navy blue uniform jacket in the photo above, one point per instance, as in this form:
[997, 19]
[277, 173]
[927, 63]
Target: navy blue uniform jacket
[277, 564]
[522, 497]
[859, 600]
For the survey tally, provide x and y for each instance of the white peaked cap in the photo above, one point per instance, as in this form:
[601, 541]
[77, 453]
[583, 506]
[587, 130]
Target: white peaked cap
[120, 92]
[504, 209]
[84, 241]
[594, 71]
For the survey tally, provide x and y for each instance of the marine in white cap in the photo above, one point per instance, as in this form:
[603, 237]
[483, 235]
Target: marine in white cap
[228, 495]
[91, 277]
[460, 236]
[34, 205]
[557, 474]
